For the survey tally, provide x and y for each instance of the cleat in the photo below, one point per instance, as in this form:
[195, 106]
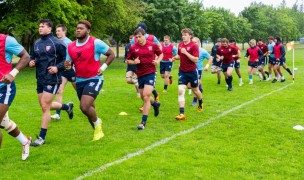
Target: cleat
[200, 108]
[141, 109]
[274, 80]
[180, 117]
[141, 126]
[164, 91]
[268, 79]
[241, 83]
[157, 98]
[156, 109]
[26, 149]
[55, 117]
[229, 89]
[70, 110]
[98, 134]
[291, 76]
[251, 82]
[193, 103]
[283, 80]
[39, 141]
[170, 79]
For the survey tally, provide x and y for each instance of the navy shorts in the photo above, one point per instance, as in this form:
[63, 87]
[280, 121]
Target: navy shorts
[7, 93]
[272, 60]
[215, 63]
[281, 62]
[131, 68]
[89, 87]
[148, 79]
[188, 77]
[165, 66]
[226, 66]
[253, 64]
[237, 65]
[263, 61]
[50, 88]
[69, 75]
[200, 73]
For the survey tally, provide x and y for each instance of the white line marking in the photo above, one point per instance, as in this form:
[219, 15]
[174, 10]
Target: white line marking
[164, 141]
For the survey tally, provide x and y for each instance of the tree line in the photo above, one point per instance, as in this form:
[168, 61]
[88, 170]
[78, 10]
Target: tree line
[115, 20]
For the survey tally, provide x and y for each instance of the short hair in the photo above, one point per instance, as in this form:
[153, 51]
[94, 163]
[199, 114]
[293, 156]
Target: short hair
[188, 30]
[167, 37]
[139, 30]
[270, 38]
[48, 22]
[252, 41]
[198, 40]
[63, 27]
[86, 23]
[131, 36]
[232, 40]
[260, 39]
[225, 40]
[278, 39]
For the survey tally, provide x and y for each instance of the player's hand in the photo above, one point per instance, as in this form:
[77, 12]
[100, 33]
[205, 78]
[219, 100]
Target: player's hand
[183, 50]
[256, 60]
[155, 62]
[278, 59]
[99, 72]
[136, 61]
[172, 59]
[32, 63]
[67, 64]
[238, 61]
[52, 69]
[8, 78]
[205, 68]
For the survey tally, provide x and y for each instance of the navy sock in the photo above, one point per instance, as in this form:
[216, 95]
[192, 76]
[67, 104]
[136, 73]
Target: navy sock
[42, 133]
[58, 111]
[194, 99]
[182, 110]
[144, 119]
[165, 87]
[200, 101]
[65, 107]
[288, 70]
[154, 93]
[200, 87]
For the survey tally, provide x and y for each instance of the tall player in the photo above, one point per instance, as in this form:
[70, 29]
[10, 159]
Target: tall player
[143, 54]
[272, 60]
[226, 53]
[9, 47]
[279, 55]
[85, 54]
[188, 53]
[67, 76]
[169, 50]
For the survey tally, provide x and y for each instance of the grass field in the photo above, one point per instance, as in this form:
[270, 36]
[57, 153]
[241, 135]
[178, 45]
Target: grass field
[244, 134]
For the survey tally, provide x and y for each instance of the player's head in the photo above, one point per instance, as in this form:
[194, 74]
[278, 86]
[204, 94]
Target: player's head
[131, 37]
[61, 31]
[224, 42]
[260, 41]
[167, 39]
[197, 41]
[45, 26]
[252, 43]
[140, 35]
[187, 34]
[270, 39]
[83, 29]
[277, 39]
[143, 26]
[232, 41]
[219, 41]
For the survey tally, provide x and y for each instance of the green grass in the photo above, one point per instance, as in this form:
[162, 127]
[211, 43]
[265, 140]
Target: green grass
[256, 141]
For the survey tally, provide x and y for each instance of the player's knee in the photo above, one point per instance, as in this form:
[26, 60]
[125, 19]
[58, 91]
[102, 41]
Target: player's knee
[8, 125]
[129, 79]
[134, 80]
[84, 108]
[181, 92]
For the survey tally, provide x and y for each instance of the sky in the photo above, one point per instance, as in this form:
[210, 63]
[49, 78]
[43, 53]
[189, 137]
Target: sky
[236, 6]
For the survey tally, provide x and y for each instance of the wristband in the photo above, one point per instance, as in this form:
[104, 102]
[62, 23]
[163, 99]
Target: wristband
[207, 66]
[104, 67]
[14, 72]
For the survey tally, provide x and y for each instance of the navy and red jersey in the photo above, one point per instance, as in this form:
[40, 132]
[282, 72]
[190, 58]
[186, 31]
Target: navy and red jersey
[186, 65]
[263, 48]
[167, 51]
[254, 53]
[278, 51]
[146, 55]
[227, 53]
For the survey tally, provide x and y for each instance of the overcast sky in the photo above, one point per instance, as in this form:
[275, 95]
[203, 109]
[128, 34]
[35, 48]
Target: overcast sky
[236, 6]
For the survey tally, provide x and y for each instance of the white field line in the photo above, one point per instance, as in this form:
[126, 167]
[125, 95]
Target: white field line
[166, 140]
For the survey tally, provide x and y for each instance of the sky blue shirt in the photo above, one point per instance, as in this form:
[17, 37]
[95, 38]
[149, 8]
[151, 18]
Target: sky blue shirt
[100, 47]
[12, 47]
[155, 40]
[203, 54]
[66, 41]
[270, 48]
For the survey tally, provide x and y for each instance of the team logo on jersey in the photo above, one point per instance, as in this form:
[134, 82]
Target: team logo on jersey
[91, 84]
[188, 48]
[229, 50]
[150, 48]
[78, 54]
[1, 95]
[47, 48]
[136, 50]
[49, 87]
